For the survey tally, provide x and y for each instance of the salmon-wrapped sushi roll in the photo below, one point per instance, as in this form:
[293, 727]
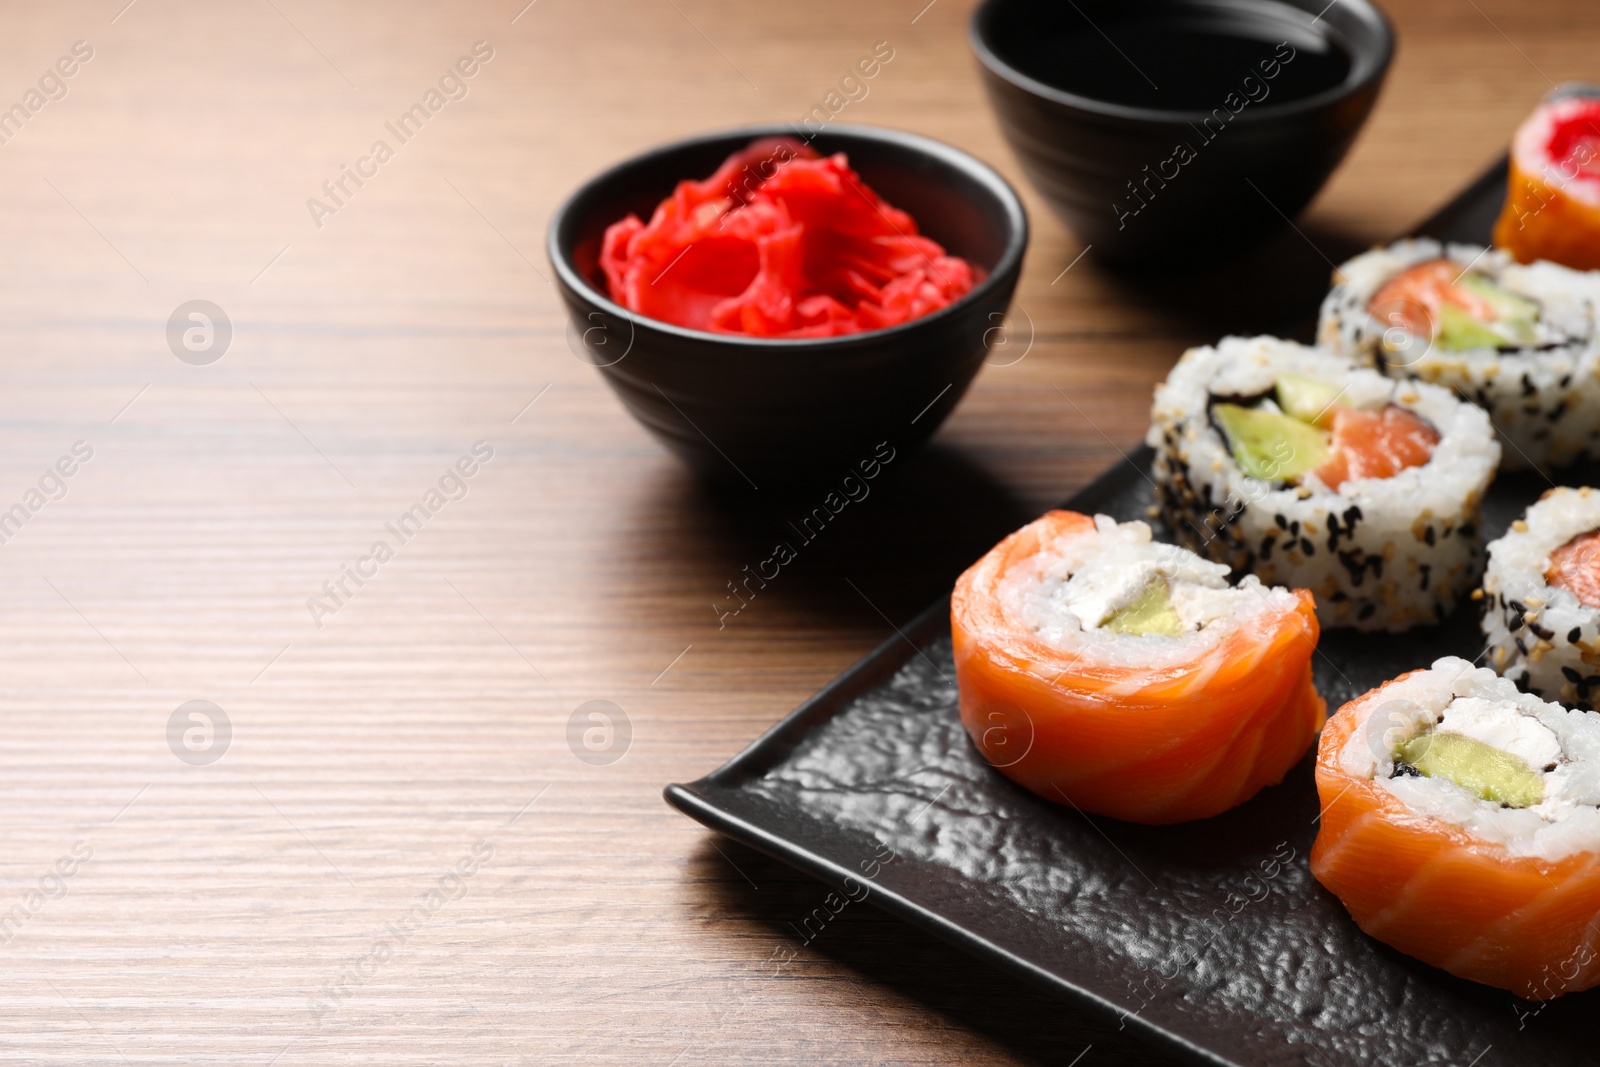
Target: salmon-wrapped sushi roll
[1460, 825]
[1125, 677]
[1552, 208]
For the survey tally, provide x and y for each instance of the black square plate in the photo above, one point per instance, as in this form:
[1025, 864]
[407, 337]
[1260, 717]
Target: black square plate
[1210, 939]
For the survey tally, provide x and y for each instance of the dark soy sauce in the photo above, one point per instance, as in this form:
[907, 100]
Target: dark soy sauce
[1175, 55]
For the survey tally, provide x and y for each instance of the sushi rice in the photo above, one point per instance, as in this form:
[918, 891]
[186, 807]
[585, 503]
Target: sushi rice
[1561, 746]
[1379, 553]
[1067, 593]
[1540, 636]
[1544, 397]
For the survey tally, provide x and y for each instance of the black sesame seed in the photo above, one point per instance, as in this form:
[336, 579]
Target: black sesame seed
[1356, 564]
[1571, 675]
[1574, 634]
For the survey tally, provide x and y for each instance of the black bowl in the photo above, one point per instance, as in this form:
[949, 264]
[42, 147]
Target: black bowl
[747, 410]
[1115, 171]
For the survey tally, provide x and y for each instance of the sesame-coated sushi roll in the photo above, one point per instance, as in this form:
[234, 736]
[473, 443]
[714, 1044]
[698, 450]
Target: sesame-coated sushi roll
[1293, 465]
[1518, 341]
[1102, 669]
[1541, 599]
[1461, 825]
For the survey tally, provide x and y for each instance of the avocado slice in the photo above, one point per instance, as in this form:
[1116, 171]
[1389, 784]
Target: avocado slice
[1517, 314]
[1269, 445]
[1474, 766]
[1149, 613]
[1307, 399]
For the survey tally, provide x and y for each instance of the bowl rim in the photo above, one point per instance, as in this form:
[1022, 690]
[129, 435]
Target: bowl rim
[1351, 85]
[982, 174]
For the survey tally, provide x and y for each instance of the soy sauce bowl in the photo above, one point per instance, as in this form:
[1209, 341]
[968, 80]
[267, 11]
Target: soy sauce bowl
[747, 411]
[1179, 176]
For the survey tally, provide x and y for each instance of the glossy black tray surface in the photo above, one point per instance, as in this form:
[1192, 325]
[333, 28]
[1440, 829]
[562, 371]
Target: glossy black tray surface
[1209, 939]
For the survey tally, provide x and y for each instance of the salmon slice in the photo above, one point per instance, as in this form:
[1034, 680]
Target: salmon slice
[1576, 566]
[1434, 891]
[1412, 298]
[1376, 444]
[1146, 744]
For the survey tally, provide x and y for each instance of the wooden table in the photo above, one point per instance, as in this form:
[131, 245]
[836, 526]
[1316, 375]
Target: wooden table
[398, 857]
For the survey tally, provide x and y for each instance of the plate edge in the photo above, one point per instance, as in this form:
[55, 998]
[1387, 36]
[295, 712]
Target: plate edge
[701, 808]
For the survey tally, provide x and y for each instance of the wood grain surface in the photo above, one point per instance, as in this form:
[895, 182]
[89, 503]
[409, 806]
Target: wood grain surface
[398, 856]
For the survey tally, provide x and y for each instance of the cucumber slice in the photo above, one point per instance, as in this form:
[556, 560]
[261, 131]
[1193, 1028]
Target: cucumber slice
[1458, 331]
[1307, 399]
[1510, 309]
[1150, 613]
[1474, 766]
[1269, 445]
[1514, 319]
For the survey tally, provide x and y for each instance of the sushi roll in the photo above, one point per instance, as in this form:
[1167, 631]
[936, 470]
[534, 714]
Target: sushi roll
[1552, 208]
[1541, 599]
[1101, 669]
[1461, 825]
[1291, 464]
[1518, 341]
